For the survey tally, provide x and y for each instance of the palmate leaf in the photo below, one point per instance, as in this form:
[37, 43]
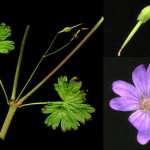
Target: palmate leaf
[71, 110]
[5, 45]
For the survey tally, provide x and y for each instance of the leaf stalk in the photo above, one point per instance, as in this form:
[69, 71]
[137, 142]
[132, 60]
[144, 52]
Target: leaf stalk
[13, 96]
[4, 91]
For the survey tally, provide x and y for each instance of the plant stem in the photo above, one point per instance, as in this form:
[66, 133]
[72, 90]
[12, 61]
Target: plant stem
[52, 43]
[45, 55]
[37, 103]
[4, 92]
[11, 112]
[13, 107]
[13, 96]
[60, 48]
[63, 61]
[29, 78]
[36, 67]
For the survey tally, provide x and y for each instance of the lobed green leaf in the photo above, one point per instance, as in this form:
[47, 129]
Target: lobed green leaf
[5, 45]
[71, 110]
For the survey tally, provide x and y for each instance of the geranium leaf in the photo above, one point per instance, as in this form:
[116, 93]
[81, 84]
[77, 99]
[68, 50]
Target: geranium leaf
[72, 109]
[5, 45]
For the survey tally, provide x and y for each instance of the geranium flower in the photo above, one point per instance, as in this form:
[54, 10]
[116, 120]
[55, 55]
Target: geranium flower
[135, 98]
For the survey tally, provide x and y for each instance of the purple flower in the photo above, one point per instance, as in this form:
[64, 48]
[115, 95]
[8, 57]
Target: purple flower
[135, 98]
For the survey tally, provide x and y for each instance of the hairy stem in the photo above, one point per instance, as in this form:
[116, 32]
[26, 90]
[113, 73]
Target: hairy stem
[63, 61]
[11, 112]
[13, 96]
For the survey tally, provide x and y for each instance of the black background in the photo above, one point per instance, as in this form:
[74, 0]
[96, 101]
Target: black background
[118, 131]
[120, 18]
[46, 18]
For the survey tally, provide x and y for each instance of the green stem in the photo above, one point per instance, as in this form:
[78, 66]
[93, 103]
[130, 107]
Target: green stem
[51, 43]
[37, 103]
[13, 96]
[4, 92]
[63, 61]
[36, 67]
[130, 36]
[11, 112]
[30, 78]
[60, 48]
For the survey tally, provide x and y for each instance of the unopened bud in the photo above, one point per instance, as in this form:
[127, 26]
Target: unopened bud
[68, 29]
[144, 15]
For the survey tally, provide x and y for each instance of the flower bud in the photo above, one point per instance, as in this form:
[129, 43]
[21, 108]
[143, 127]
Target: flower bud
[144, 15]
[67, 29]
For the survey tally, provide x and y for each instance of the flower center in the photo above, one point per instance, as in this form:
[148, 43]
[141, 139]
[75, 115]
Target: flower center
[146, 104]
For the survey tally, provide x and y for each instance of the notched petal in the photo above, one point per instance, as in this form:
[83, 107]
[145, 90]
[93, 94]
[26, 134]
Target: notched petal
[123, 88]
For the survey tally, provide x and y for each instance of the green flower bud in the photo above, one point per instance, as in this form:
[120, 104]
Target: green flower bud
[142, 18]
[144, 15]
[67, 29]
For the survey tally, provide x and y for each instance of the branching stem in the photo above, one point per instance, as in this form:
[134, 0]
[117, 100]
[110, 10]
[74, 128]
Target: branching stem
[36, 67]
[29, 78]
[13, 106]
[60, 48]
[45, 55]
[63, 61]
